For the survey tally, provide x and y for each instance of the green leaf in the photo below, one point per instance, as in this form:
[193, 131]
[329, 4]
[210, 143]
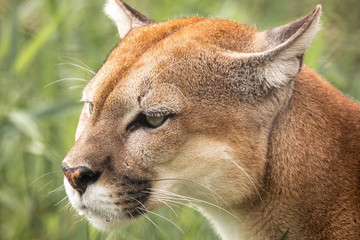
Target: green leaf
[34, 46]
[284, 236]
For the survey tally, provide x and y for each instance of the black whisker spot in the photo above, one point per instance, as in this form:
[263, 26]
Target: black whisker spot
[128, 201]
[142, 198]
[132, 192]
[135, 212]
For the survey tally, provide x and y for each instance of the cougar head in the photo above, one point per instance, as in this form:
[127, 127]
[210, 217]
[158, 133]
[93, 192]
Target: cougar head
[180, 112]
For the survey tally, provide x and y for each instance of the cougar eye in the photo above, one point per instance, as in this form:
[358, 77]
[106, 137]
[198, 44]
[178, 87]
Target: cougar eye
[155, 121]
[149, 121]
[91, 107]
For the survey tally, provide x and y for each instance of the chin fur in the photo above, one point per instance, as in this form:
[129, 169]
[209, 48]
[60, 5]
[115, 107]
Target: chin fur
[97, 207]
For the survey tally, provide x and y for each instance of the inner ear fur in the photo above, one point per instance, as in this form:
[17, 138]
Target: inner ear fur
[283, 48]
[125, 17]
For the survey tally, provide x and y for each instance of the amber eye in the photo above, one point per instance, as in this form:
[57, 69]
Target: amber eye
[155, 121]
[91, 107]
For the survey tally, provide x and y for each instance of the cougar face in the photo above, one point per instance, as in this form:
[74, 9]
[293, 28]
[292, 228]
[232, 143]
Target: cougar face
[179, 111]
[151, 128]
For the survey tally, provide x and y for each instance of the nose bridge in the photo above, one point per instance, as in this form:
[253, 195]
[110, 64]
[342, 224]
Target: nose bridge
[91, 150]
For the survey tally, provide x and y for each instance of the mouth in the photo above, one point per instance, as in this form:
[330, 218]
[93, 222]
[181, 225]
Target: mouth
[104, 210]
[96, 206]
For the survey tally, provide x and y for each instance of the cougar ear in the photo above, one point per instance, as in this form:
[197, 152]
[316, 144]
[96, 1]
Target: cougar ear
[286, 47]
[125, 17]
[283, 50]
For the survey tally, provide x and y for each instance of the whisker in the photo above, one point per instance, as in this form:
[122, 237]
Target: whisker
[135, 224]
[60, 201]
[66, 79]
[207, 188]
[76, 87]
[80, 220]
[176, 88]
[165, 203]
[157, 226]
[182, 207]
[163, 199]
[167, 67]
[44, 175]
[58, 189]
[81, 62]
[246, 174]
[146, 210]
[51, 181]
[168, 84]
[174, 202]
[195, 200]
[67, 206]
[89, 72]
[165, 218]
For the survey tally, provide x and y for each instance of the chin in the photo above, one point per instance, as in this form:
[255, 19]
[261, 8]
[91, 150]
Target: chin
[105, 223]
[97, 207]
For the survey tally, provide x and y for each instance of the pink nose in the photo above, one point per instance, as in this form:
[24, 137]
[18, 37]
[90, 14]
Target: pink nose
[79, 177]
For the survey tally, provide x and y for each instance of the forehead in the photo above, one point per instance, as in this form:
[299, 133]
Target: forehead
[139, 61]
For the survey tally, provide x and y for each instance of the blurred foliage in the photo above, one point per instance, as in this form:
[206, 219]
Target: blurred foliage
[49, 50]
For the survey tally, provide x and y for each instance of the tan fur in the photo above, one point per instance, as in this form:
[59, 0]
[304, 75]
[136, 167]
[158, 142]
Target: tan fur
[251, 134]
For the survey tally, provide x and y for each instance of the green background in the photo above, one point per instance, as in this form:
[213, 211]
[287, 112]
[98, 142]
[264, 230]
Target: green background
[49, 50]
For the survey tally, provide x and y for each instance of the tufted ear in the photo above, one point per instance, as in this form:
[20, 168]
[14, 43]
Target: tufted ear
[284, 48]
[125, 17]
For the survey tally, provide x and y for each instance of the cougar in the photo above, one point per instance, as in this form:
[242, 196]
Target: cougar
[224, 116]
